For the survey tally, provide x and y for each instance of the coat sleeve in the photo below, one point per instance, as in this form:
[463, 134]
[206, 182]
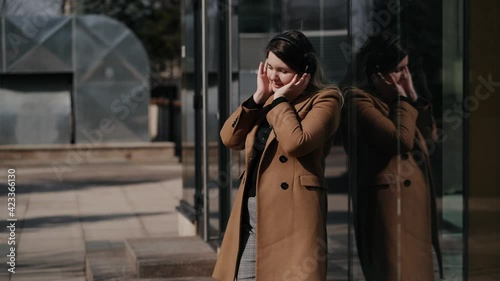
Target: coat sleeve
[394, 133]
[236, 128]
[425, 121]
[300, 137]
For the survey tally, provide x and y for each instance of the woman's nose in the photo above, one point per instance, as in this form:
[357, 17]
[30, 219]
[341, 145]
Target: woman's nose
[404, 76]
[406, 72]
[272, 75]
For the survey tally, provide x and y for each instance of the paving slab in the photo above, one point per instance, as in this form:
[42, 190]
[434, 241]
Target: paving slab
[99, 202]
[171, 257]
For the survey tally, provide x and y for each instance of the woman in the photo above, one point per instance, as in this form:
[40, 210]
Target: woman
[277, 228]
[387, 128]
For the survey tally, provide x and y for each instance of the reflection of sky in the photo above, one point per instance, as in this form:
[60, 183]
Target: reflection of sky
[30, 7]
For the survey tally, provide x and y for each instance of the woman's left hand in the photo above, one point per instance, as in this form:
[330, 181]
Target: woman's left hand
[407, 85]
[293, 89]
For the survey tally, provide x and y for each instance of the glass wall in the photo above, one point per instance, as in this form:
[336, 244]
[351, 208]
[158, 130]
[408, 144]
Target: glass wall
[205, 173]
[483, 134]
[433, 32]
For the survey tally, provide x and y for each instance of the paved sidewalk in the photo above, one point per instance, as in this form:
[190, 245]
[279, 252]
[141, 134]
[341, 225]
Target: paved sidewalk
[98, 203]
[101, 204]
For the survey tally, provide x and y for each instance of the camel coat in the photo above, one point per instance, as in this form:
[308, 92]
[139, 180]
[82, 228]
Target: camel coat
[291, 191]
[394, 203]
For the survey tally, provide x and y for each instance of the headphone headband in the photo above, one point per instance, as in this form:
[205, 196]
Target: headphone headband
[392, 41]
[292, 41]
[307, 64]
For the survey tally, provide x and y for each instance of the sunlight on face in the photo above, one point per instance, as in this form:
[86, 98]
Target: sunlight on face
[278, 73]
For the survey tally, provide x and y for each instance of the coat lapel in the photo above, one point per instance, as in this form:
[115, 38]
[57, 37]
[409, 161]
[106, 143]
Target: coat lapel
[298, 104]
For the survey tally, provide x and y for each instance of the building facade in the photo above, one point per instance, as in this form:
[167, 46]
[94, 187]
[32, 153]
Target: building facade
[454, 64]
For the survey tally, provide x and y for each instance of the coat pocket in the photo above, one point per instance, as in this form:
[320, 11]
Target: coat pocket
[385, 178]
[383, 181]
[311, 181]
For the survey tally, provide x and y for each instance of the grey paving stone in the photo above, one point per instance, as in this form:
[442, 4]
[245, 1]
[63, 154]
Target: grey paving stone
[171, 257]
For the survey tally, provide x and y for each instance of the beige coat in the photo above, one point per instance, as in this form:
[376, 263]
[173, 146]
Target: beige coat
[291, 190]
[394, 202]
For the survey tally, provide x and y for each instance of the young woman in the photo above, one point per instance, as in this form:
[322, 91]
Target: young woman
[387, 129]
[277, 228]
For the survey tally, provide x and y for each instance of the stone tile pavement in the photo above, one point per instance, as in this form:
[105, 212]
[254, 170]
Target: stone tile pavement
[95, 204]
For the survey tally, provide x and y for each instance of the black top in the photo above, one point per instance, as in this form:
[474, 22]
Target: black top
[261, 137]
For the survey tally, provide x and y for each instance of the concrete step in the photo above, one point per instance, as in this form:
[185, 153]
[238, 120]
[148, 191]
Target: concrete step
[174, 257]
[175, 279]
[71, 154]
[106, 262]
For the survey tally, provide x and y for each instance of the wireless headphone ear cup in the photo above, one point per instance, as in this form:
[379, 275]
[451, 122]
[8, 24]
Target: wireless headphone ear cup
[309, 64]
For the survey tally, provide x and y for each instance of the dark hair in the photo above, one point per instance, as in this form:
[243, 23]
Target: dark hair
[296, 51]
[382, 53]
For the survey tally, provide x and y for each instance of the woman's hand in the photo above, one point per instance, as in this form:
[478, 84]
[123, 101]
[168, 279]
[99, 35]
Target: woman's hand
[389, 89]
[293, 89]
[264, 89]
[407, 85]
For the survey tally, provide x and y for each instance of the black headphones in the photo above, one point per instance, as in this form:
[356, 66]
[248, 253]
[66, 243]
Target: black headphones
[308, 64]
[387, 45]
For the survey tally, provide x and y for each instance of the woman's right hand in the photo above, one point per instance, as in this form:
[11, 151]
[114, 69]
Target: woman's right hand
[264, 89]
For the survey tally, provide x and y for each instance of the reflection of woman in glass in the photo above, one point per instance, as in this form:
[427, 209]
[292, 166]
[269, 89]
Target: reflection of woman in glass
[277, 228]
[387, 131]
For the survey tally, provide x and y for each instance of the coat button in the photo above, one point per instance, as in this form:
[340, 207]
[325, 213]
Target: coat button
[407, 183]
[404, 156]
[283, 159]
[284, 185]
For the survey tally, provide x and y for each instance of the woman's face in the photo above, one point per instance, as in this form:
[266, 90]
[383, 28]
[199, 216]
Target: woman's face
[278, 73]
[398, 73]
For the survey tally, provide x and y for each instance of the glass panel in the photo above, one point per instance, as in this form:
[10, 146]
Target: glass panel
[38, 112]
[102, 116]
[259, 16]
[188, 114]
[386, 193]
[315, 15]
[112, 82]
[188, 156]
[481, 102]
[213, 180]
[31, 7]
[2, 51]
[38, 44]
[452, 234]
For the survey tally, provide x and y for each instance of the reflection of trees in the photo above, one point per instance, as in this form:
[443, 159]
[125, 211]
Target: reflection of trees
[155, 22]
